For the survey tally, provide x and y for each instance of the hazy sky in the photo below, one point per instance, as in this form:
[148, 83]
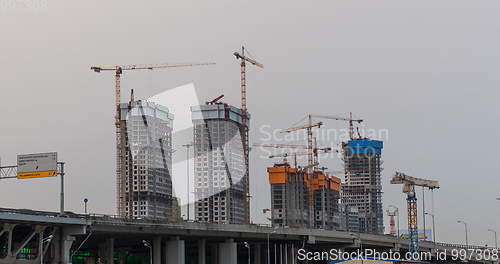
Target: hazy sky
[426, 71]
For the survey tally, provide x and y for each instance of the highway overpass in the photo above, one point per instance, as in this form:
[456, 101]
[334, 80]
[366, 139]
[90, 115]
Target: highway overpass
[108, 239]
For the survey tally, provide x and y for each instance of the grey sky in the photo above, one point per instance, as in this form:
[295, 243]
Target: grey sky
[425, 70]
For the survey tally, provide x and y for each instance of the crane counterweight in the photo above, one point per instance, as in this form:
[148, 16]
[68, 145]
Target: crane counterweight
[409, 184]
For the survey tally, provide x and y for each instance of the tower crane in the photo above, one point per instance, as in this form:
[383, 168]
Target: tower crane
[118, 70]
[295, 154]
[409, 184]
[310, 143]
[348, 119]
[244, 59]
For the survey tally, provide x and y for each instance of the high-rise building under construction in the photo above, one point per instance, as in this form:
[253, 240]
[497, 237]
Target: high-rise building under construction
[145, 185]
[219, 164]
[362, 188]
[301, 199]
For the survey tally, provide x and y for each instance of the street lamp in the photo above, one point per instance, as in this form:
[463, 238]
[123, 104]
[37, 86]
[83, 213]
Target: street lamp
[397, 212]
[466, 232]
[85, 201]
[358, 235]
[148, 245]
[496, 240]
[46, 240]
[433, 228]
[269, 249]
[187, 176]
[248, 246]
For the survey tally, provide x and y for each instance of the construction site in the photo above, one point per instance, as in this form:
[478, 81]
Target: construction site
[230, 132]
[302, 195]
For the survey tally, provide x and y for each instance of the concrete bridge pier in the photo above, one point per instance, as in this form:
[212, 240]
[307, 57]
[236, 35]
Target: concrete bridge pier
[290, 253]
[228, 252]
[8, 228]
[202, 251]
[257, 254]
[63, 240]
[214, 252]
[175, 251]
[110, 249]
[123, 256]
[157, 250]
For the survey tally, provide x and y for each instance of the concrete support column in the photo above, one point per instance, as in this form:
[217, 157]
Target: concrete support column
[8, 228]
[123, 256]
[55, 248]
[90, 261]
[290, 254]
[257, 254]
[228, 252]
[214, 252]
[202, 251]
[175, 251]
[157, 250]
[110, 250]
[65, 247]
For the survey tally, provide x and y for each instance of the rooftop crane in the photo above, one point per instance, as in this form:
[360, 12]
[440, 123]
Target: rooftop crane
[244, 59]
[281, 146]
[314, 150]
[409, 184]
[310, 143]
[118, 70]
[349, 119]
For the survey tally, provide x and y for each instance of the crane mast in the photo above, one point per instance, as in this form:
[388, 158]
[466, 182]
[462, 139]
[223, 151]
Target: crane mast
[409, 184]
[243, 58]
[118, 128]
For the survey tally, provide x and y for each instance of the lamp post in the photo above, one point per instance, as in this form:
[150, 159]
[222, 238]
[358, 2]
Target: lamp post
[433, 228]
[269, 248]
[85, 201]
[466, 232]
[187, 175]
[248, 247]
[148, 245]
[358, 235]
[397, 215]
[496, 240]
[46, 240]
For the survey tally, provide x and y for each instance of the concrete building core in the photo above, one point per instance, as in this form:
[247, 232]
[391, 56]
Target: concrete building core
[145, 187]
[219, 164]
[350, 219]
[363, 188]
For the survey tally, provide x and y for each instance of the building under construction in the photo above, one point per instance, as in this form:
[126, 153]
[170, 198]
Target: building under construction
[145, 185]
[362, 188]
[295, 195]
[219, 164]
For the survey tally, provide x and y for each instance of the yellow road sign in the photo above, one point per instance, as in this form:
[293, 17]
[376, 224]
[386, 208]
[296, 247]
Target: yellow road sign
[38, 174]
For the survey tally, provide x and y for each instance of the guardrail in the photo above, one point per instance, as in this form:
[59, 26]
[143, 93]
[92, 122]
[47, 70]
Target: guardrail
[115, 219]
[463, 246]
